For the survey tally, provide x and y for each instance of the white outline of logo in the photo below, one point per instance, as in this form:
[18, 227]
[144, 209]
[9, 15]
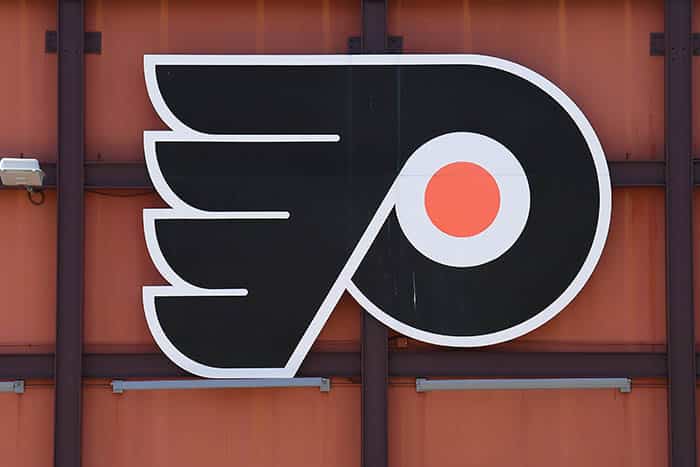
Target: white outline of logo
[182, 210]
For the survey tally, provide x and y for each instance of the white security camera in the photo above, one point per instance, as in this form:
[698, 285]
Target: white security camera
[21, 172]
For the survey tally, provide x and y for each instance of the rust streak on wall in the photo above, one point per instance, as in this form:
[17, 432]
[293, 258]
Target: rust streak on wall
[259, 427]
[117, 106]
[577, 428]
[26, 431]
[28, 80]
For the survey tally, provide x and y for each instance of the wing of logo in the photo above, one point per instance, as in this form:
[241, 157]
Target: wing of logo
[429, 187]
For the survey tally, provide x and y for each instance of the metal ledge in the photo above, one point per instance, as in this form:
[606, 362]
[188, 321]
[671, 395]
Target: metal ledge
[12, 386]
[425, 385]
[119, 386]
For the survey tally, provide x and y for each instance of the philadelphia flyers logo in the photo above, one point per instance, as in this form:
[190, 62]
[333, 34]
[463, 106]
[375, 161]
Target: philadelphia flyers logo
[462, 200]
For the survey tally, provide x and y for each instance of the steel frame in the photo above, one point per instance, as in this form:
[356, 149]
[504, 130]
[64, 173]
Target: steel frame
[134, 175]
[375, 341]
[678, 172]
[453, 363]
[70, 268]
[679, 234]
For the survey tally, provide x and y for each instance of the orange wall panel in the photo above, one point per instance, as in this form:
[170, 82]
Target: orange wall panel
[596, 51]
[243, 427]
[26, 427]
[28, 273]
[601, 428]
[342, 330]
[28, 90]
[117, 106]
[117, 265]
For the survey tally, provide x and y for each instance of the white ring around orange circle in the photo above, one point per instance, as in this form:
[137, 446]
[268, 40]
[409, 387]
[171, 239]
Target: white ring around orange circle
[512, 214]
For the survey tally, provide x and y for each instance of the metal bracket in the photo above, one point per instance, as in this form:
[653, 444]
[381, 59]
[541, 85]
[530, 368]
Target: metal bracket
[93, 42]
[657, 44]
[119, 386]
[394, 44]
[424, 385]
[12, 386]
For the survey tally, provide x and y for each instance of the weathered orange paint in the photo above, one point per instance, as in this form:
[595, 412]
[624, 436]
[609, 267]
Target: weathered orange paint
[596, 51]
[27, 273]
[28, 90]
[117, 107]
[528, 428]
[26, 426]
[342, 330]
[252, 427]
[117, 265]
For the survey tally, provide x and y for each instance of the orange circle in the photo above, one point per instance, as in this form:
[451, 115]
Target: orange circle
[462, 199]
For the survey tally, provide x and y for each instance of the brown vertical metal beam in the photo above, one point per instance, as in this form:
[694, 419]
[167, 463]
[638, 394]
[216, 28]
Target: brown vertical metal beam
[375, 349]
[679, 235]
[375, 379]
[70, 271]
[374, 36]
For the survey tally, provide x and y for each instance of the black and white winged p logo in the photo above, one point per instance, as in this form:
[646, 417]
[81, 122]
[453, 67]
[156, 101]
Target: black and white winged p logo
[462, 200]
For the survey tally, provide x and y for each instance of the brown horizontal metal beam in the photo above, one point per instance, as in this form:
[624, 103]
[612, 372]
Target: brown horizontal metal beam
[347, 364]
[106, 175]
[527, 364]
[637, 173]
[130, 366]
[26, 366]
[117, 175]
[133, 175]
[158, 366]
